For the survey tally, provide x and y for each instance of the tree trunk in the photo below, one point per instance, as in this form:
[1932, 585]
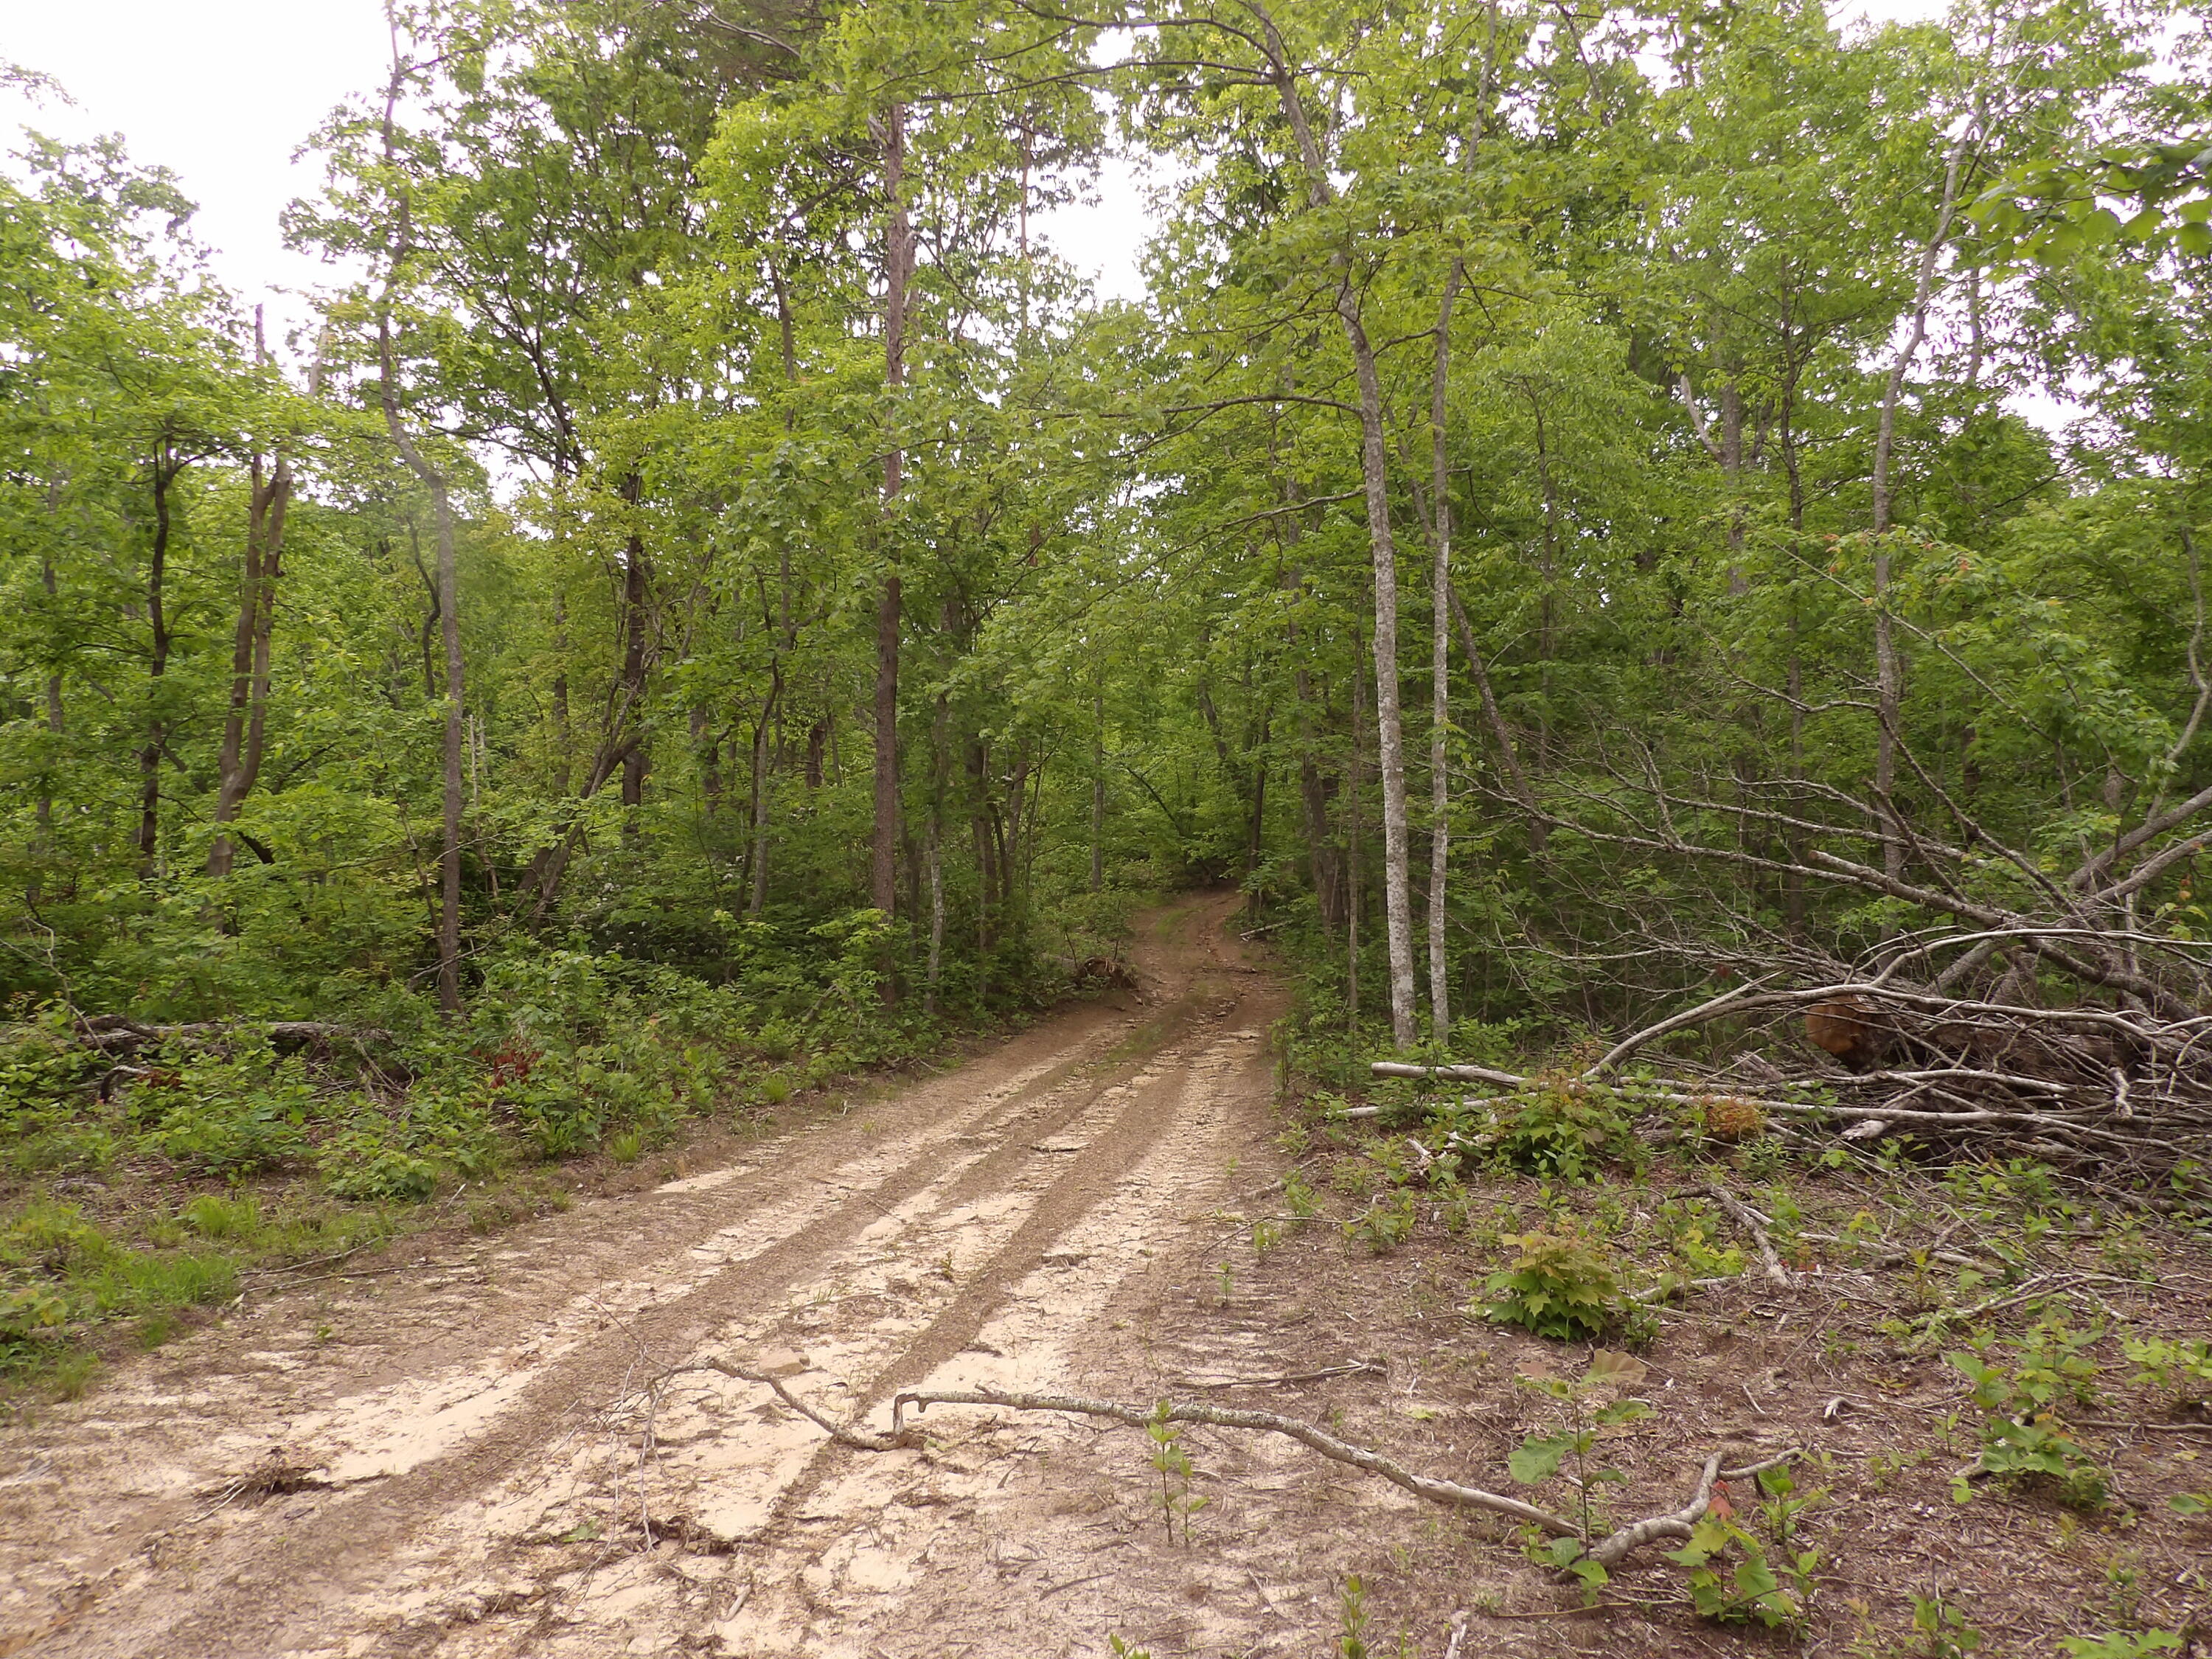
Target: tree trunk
[1440, 667]
[1374, 483]
[898, 252]
[563, 742]
[636, 594]
[757, 900]
[1353, 875]
[244, 728]
[449, 916]
[166, 468]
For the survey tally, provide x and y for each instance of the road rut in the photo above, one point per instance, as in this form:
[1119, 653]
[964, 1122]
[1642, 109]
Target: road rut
[473, 1463]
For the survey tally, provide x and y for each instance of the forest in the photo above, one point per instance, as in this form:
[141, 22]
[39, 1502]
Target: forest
[1655, 549]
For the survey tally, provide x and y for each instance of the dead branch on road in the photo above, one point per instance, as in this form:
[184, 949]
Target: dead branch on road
[1609, 1551]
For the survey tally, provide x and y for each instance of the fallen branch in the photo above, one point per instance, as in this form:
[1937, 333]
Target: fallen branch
[1451, 1074]
[1609, 1552]
[106, 1031]
[1634, 1536]
[1741, 1214]
[859, 1439]
[1221, 1417]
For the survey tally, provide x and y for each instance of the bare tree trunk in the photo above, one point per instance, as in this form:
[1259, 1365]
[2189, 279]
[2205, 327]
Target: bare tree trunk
[759, 899]
[898, 253]
[1374, 483]
[1353, 873]
[449, 913]
[1889, 665]
[636, 592]
[1098, 778]
[166, 468]
[563, 740]
[244, 728]
[1440, 666]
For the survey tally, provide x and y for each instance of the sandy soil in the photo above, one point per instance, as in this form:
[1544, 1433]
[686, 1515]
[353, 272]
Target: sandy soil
[464, 1458]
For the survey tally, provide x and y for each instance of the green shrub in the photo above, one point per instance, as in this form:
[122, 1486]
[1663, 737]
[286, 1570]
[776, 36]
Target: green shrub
[1562, 1288]
[2124, 1645]
[1733, 1581]
[372, 1162]
[2183, 1367]
[2023, 1441]
[227, 1114]
[1384, 1224]
[1561, 1130]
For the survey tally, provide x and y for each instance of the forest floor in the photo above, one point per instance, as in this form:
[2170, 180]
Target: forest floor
[468, 1455]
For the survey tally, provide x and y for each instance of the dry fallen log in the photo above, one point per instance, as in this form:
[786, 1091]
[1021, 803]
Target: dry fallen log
[112, 1032]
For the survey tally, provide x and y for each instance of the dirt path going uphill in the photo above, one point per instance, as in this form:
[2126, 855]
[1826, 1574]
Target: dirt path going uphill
[464, 1466]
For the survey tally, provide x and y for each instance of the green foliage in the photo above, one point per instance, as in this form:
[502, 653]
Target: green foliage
[2023, 1439]
[1733, 1581]
[1352, 1619]
[2124, 1645]
[2182, 1367]
[1563, 1130]
[227, 1114]
[1178, 1504]
[1560, 1287]
[1384, 1223]
[1944, 1632]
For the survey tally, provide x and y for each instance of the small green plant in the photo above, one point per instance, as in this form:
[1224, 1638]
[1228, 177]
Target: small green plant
[222, 1218]
[1122, 1650]
[626, 1147]
[1384, 1224]
[1265, 1236]
[1178, 1504]
[1593, 1402]
[1942, 1631]
[2023, 1441]
[1298, 1193]
[2181, 1368]
[2122, 1644]
[1558, 1286]
[1564, 1129]
[1352, 1618]
[1733, 1582]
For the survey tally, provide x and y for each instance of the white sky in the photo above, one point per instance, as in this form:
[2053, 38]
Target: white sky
[222, 92]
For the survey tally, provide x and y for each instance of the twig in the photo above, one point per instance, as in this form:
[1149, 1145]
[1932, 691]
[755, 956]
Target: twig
[858, 1439]
[1351, 1370]
[1741, 1215]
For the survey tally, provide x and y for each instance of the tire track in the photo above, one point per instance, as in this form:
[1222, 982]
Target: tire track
[241, 1591]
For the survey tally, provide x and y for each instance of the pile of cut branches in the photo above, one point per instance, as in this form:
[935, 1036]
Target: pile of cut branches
[2121, 1084]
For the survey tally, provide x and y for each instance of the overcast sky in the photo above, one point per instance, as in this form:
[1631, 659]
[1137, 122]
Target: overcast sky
[222, 92]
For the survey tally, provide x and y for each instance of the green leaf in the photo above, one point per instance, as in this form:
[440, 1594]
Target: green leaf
[1535, 1461]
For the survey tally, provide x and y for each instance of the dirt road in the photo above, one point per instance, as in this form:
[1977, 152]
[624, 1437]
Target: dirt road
[466, 1463]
